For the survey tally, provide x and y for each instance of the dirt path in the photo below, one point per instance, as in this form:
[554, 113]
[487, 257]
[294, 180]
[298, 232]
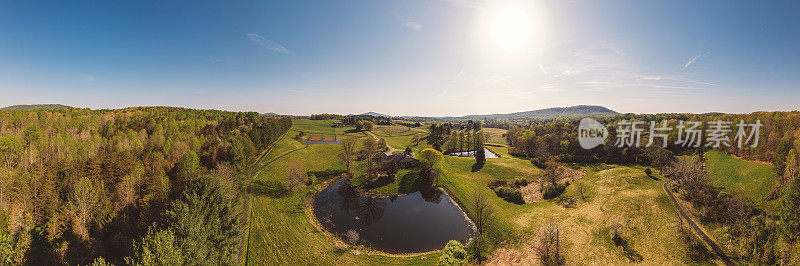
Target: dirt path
[281, 156]
[697, 229]
[261, 158]
[391, 149]
[250, 210]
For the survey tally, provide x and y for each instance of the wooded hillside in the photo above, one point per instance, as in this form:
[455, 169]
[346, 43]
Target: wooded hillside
[77, 184]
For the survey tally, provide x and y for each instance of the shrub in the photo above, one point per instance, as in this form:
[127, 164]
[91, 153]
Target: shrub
[521, 182]
[539, 162]
[453, 254]
[549, 191]
[513, 195]
[311, 179]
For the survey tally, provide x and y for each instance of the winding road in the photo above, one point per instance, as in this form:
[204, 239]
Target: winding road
[391, 149]
[708, 240]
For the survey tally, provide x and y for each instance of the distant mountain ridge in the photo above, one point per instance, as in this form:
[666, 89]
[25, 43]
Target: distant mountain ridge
[572, 111]
[375, 114]
[21, 107]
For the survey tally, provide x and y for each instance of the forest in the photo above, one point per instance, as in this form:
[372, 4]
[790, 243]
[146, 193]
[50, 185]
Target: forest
[127, 186]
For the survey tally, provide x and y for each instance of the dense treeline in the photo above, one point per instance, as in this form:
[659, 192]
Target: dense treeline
[325, 116]
[449, 138]
[79, 184]
[560, 139]
[354, 120]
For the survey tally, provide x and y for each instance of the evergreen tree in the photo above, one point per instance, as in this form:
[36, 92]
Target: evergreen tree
[205, 224]
[157, 248]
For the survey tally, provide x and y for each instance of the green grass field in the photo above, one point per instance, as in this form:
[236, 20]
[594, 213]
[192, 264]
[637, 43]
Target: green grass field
[494, 136]
[282, 231]
[401, 137]
[751, 179]
[323, 127]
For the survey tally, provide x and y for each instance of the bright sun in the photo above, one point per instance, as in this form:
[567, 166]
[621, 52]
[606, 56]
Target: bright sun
[511, 26]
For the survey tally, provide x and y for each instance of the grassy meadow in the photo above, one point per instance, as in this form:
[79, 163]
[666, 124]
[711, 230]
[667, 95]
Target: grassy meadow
[323, 127]
[282, 231]
[754, 180]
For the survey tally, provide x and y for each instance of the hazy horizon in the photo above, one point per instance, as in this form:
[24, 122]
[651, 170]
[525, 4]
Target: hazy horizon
[398, 115]
[418, 58]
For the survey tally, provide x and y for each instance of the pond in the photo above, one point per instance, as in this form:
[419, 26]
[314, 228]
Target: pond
[410, 223]
[489, 154]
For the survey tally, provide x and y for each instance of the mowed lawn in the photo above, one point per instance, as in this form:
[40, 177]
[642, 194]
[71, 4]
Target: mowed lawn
[325, 128]
[401, 137]
[280, 231]
[751, 179]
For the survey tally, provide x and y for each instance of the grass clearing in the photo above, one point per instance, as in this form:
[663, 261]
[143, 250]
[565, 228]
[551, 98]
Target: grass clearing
[401, 137]
[753, 180]
[495, 136]
[323, 128]
[620, 195]
[282, 232]
[280, 229]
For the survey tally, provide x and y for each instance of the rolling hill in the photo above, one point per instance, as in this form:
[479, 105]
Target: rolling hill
[374, 114]
[572, 111]
[21, 107]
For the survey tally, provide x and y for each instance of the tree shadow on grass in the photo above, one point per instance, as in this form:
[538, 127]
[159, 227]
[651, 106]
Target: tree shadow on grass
[272, 189]
[628, 251]
[477, 167]
[695, 249]
[325, 175]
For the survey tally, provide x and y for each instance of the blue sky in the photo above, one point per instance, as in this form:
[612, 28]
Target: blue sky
[434, 57]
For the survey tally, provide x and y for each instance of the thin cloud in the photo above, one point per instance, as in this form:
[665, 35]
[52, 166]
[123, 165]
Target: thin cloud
[466, 3]
[88, 77]
[413, 25]
[648, 77]
[408, 22]
[266, 43]
[691, 61]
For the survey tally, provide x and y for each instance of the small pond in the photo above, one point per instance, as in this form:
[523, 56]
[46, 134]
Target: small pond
[489, 154]
[410, 223]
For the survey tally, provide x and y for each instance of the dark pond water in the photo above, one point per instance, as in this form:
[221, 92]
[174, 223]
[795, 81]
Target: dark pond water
[489, 154]
[410, 223]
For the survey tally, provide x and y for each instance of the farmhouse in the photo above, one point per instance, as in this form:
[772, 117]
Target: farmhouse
[401, 160]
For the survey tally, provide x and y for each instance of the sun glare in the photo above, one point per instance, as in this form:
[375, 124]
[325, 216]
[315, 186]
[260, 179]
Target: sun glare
[511, 26]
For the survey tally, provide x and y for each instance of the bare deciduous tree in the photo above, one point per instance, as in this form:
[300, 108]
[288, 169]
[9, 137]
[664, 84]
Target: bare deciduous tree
[549, 249]
[483, 215]
[688, 172]
[348, 151]
[483, 212]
